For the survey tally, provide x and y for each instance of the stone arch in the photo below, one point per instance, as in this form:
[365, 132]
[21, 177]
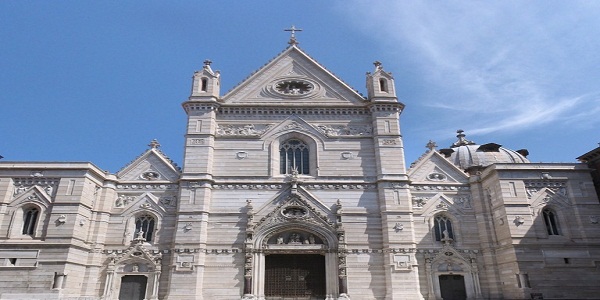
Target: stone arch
[449, 261]
[456, 228]
[20, 207]
[137, 260]
[130, 225]
[293, 216]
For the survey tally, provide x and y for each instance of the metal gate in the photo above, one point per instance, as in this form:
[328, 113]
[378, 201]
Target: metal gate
[452, 287]
[133, 287]
[295, 277]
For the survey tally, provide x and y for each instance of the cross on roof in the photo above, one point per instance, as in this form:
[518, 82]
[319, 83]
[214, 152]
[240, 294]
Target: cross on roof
[293, 30]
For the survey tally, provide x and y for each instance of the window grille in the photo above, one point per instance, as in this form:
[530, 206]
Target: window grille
[294, 155]
[145, 224]
[443, 228]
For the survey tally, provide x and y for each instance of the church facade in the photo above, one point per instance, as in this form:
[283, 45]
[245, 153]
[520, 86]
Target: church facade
[295, 186]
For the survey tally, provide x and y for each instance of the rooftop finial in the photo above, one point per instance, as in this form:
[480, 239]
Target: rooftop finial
[293, 30]
[462, 141]
[378, 65]
[431, 145]
[154, 144]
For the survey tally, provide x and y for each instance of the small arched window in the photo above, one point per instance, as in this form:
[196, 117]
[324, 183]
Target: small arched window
[30, 220]
[383, 85]
[551, 222]
[145, 224]
[203, 84]
[293, 155]
[442, 227]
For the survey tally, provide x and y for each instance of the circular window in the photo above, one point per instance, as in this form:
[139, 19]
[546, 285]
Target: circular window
[294, 87]
[150, 175]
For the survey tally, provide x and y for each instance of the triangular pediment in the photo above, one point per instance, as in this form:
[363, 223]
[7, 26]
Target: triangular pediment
[293, 78]
[299, 207]
[293, 123]
[151, 166]
[548, 197]
[433, 168]
[146, 201]
[441, 203]
[33, 194]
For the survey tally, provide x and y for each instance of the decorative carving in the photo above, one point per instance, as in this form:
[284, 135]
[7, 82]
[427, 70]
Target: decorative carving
[419, 202]
[254, 130]
[37, 174]
[519, 221]
[168, 201]
[62, 219]
[389, 142]
[241, 155]
[399, 227]
[294, 125]
[534, 186]
[145, 186]
[343, 130]
[442, 206]
[123, 200]
[594, 219]
[439, 188]
[347, 155]
[48, 185]
[187, 227]
[464, 201]
[197, 141]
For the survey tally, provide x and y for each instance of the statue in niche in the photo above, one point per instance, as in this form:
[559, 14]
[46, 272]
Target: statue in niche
[20, 189]
[295, 239]
[135, 268]
[311, 239]
[49, 189]
[280, 240]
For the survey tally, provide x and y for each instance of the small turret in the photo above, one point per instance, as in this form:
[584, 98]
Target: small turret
[380, 85]
[206, 83]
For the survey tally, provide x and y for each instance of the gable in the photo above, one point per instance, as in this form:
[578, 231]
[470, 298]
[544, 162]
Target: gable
[293, 78]
[152, 165]
[33, 194]
[432, 168]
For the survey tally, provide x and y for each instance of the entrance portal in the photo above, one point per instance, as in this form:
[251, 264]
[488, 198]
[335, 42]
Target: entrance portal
[294, 277]
[452, 287]
[133, 287]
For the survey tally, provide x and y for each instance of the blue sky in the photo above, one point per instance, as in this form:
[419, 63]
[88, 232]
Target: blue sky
[98, 80]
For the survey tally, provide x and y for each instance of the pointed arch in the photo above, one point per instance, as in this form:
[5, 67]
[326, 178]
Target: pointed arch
[31, 215]
[550, 218]
[294, 149]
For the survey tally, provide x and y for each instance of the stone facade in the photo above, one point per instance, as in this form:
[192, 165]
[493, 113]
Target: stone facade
[294, 170]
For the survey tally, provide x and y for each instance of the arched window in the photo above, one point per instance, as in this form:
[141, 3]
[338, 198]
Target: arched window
[30, 219]
[551, 222]
[145, 224]
[293, 155]
[442, 226]
[383, 85]
[203, 84]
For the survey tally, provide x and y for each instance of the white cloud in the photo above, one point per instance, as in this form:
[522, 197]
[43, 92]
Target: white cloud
[514, 63]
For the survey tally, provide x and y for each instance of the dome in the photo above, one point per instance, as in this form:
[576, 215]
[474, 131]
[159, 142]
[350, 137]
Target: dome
[466, 154]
